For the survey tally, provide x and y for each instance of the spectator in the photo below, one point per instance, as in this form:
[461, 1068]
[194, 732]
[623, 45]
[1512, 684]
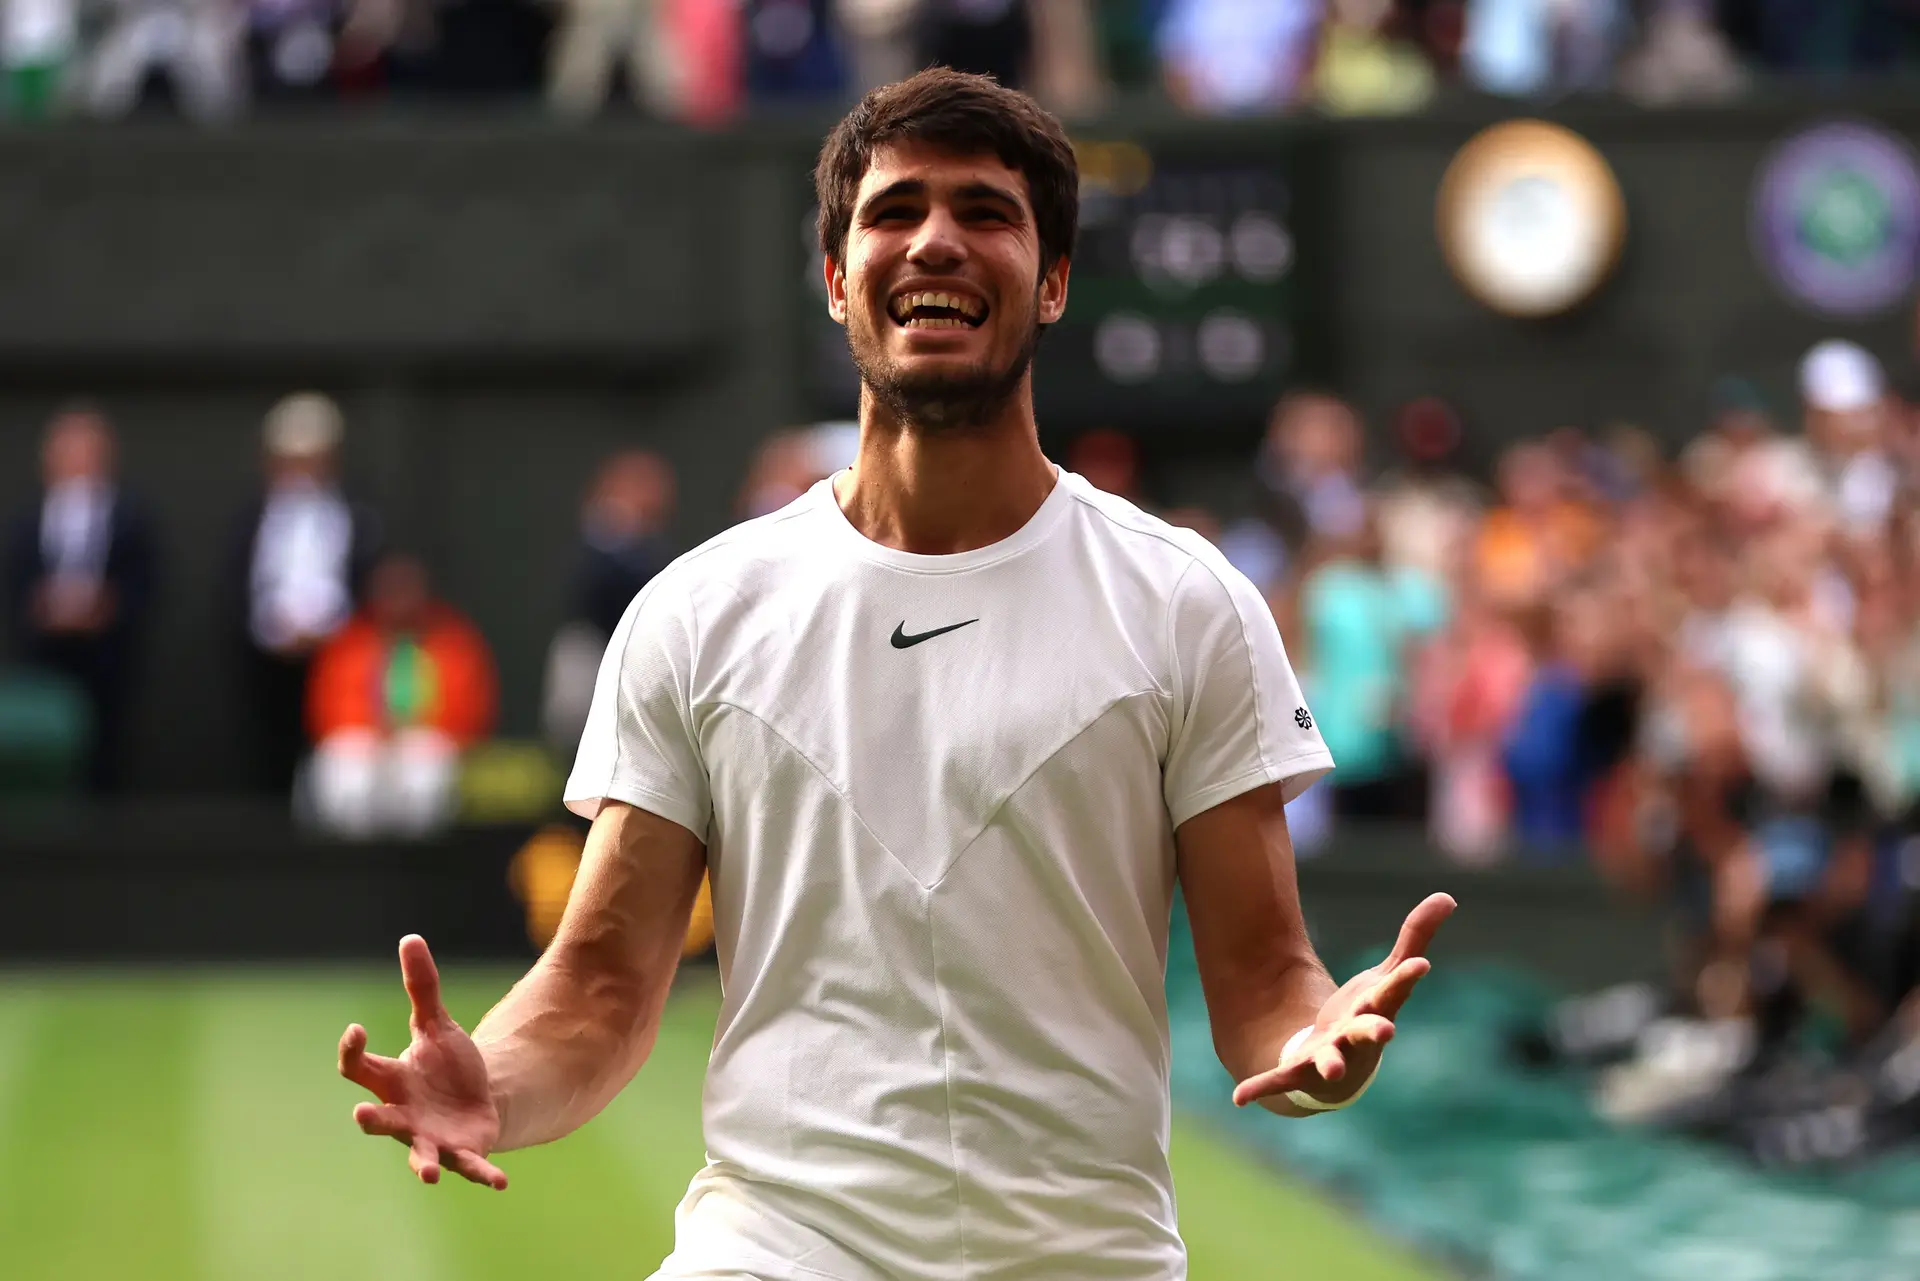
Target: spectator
[792, 52]
[1109, 460]
[1546, 767]
[301, 555]
[988, 37]
[623, 545]
[1540, 535]
[1359, 625]
[1683, 57]
[1467, 690]
[597, 36]
[396, 696]
[881, 40]
[195, 46]
[79, 580]
[1309, 470]
[1363, 69]
[1520, 48]
[1849, 420]
[1228, 57]
[39, 40]
[290, 48]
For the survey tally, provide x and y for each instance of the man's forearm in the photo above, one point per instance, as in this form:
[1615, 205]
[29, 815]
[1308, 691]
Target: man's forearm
[1250, 1039]
[564, 1042]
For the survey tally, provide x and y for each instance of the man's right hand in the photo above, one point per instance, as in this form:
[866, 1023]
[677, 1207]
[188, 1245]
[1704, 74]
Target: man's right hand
[435, 1097]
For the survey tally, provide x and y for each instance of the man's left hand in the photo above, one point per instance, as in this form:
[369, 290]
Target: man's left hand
[1337, 1058]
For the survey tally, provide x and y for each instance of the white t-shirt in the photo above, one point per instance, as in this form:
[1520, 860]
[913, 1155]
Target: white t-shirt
[938, 795]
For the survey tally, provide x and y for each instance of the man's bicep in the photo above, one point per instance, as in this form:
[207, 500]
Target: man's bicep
[1235, 864]
[639, 877]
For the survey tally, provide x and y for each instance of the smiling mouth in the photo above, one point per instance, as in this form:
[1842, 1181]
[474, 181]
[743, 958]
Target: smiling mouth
[932, 309]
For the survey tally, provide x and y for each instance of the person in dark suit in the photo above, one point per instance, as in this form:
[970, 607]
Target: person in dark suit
[623, 544]
[303, 552]
[79, 579]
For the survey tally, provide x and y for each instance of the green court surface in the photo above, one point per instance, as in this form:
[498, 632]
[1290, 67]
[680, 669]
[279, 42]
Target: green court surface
[191, 1127]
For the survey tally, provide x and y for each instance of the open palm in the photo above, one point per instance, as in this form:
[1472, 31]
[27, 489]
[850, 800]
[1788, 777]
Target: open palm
[435, 1097]
[1353, 1026]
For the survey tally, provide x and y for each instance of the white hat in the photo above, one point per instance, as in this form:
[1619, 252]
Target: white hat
[303, 425]
[1840, 377]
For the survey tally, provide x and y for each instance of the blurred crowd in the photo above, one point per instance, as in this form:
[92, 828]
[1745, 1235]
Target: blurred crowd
[1701, 672]
[708, 60]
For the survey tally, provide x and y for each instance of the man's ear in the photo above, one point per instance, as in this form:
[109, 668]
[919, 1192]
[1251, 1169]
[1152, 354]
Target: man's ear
[836, 278]
[1053, 291]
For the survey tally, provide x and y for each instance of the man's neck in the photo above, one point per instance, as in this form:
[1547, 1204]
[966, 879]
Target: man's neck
[937, 493]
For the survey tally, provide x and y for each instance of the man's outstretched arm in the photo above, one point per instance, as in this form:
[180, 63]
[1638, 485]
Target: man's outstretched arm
[573, 1032]
[568, 1036]
[1262, 981]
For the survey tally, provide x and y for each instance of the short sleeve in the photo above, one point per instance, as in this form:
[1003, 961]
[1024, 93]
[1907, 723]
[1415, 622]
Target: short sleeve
[639, 744]
[1241, 721]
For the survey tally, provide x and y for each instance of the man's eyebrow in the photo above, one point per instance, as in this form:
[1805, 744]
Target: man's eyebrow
[904, 187]
[987, 191]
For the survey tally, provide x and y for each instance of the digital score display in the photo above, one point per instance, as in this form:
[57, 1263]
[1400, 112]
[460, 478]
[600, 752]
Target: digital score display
[1185, 308]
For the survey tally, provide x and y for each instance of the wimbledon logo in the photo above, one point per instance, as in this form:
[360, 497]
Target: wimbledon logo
[1836, 219]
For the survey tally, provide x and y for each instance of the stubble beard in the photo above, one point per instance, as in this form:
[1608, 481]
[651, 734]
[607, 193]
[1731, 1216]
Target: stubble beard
[939, 402]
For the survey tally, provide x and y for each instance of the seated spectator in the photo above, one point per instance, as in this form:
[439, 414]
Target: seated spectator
[623, 545]
[1109, 460]
[1363, 70]
[196, 47]
[1682, 57]
[39, 42]
[1358, 623]
[290, 48]
[1545, 752]
[1539, 536]
[1521, 48]
[395, 698]
[79, 579]
[989, 37]
[1229, 57]
[1309, 470]
[792, 52]
[302, 552]
[596, 37]
[1467, 688]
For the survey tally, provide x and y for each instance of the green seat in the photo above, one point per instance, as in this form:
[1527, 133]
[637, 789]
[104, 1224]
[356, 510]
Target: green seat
[46, 726]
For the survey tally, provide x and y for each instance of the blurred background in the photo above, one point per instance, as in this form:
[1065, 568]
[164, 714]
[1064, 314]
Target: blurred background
[1551, 365]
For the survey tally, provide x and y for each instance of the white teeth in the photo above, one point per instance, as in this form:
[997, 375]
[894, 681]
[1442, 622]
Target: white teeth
[902, 307]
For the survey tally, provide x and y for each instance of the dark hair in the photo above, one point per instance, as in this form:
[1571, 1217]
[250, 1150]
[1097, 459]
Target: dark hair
[968, 114]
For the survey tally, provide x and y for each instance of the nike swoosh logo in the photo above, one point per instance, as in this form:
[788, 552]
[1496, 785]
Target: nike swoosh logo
[903, 641]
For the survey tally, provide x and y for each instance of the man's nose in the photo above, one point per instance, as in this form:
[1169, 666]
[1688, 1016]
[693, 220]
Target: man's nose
[938, 242]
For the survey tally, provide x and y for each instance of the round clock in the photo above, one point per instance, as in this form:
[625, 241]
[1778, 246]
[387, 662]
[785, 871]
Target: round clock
[1530, 218]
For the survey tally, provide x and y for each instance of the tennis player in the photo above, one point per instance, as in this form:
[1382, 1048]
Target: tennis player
[946, 732]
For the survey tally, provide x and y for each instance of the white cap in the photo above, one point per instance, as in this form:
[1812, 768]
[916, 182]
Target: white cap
[1840, 377]
[303, 425]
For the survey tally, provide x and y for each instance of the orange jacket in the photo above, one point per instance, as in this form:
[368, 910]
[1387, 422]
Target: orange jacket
[348, 686]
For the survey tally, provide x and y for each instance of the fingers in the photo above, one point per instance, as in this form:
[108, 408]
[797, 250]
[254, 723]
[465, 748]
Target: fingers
[422, 979]
[1392, 991]
[1422, 923]
[384, 1120]
[1365, 1030]
[368, 1071]
[423, 1159]
[1330, 1062]
[1276, 1081]
[477, 1169]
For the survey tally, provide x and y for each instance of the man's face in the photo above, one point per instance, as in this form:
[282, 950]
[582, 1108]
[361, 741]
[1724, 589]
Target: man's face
[941, 291]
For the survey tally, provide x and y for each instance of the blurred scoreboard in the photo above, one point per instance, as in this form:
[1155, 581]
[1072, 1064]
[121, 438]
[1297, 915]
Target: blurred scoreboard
[1187, 312]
